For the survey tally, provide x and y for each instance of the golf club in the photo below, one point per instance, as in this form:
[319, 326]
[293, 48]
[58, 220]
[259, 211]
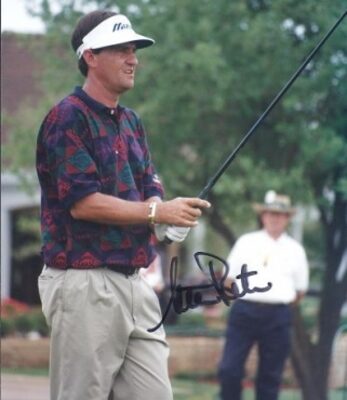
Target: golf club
[213, 180]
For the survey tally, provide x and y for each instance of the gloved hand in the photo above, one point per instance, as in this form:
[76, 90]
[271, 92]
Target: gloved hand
[160, 231]
[174, 233]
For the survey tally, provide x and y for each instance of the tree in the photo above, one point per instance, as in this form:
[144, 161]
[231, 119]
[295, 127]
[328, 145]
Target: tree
[215, 68]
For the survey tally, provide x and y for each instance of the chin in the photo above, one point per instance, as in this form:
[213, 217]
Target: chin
[129, 85]
[124, 89]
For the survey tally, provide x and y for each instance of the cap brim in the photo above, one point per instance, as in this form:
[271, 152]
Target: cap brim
[142, 43]
[127, 37]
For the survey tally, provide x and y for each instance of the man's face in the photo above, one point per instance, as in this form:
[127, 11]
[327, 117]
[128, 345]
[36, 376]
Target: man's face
[115, 67]
[275, 223]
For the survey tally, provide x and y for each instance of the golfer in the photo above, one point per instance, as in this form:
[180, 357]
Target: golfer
[264, 318]
[101, 202]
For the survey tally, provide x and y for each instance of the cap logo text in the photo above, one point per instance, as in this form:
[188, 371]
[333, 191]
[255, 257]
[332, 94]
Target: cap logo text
[119, 26]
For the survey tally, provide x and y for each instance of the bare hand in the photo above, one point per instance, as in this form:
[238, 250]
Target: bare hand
[181, 211]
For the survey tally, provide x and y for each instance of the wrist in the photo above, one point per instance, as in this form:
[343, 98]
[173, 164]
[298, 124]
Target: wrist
[152, 211]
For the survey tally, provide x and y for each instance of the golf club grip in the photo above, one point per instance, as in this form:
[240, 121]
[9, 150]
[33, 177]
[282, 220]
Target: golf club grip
[202, 196]
[167, 240]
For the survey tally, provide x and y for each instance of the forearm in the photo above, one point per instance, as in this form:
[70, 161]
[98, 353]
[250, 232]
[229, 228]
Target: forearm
[154, 198]
[105, 209]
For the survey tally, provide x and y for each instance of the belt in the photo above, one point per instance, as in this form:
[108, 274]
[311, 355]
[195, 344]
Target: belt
[123, 269]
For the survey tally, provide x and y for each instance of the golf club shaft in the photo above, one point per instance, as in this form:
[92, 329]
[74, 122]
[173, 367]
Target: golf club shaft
[205, 191]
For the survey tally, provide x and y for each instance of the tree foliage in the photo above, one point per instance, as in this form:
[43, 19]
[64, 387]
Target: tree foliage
[214, 69]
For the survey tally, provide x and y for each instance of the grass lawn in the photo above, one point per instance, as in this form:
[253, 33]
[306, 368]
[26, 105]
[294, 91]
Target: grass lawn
[190, 389]
[185, 389]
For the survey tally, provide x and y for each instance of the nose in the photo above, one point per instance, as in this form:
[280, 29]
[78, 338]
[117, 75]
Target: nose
[132, 59]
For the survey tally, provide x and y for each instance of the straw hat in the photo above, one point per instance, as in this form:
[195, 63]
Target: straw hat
[275, 202]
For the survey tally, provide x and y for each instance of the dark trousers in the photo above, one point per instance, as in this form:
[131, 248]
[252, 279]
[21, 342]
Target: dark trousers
[269, 327]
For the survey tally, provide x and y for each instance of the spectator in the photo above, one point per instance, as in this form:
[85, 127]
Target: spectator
[264, 318]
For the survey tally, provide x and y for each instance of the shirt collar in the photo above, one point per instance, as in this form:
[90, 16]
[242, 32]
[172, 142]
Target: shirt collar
[95, 105]
[278, 240]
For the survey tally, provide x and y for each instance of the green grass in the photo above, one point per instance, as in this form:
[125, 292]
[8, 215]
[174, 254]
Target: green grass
[185, 389]
[188, 389]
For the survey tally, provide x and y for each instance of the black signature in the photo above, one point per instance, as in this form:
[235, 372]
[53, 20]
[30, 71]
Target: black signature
[184, 298]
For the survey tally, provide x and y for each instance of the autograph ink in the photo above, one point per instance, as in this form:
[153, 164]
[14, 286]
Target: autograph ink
[184, 298]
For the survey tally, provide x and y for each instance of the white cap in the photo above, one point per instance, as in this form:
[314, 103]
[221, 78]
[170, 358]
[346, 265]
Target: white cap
[112, 31]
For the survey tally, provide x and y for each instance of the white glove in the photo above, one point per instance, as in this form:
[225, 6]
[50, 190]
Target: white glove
[175, 233]
[160, 231]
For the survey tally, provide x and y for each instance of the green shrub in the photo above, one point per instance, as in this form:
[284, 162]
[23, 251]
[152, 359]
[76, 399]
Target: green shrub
[7, 327]
[39, 322]
[20, 318]
[24, 323]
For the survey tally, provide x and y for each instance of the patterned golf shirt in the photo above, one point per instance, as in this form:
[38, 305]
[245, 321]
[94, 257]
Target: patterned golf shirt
[85, 147]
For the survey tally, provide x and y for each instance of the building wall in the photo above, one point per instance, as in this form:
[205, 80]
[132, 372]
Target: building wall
[13, 197]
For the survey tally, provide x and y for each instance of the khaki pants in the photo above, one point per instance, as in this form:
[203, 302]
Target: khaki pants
[100, 347]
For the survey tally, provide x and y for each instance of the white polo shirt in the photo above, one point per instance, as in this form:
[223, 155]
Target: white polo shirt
[282, 262]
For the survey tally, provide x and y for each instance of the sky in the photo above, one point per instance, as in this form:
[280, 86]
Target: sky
[14, 17]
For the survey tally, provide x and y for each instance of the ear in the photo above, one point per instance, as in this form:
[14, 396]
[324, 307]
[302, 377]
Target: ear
[90, 58]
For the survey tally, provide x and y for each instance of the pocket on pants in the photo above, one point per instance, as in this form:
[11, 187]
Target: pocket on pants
[50, 284]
